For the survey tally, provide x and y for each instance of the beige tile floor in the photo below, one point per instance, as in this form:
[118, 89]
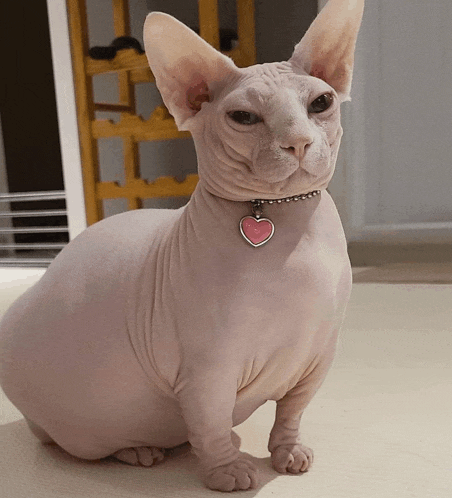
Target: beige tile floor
[381, 425]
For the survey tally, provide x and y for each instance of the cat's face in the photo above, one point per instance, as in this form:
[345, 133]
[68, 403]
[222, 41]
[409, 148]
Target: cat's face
[268, 132]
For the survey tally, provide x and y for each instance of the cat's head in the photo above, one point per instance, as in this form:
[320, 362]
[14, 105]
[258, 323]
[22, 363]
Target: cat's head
[268, 130]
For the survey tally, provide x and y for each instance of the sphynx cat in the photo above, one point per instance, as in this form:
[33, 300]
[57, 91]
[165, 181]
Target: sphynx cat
[157, 327]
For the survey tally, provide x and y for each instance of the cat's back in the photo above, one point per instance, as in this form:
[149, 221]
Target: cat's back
[74, 319]
[105, 256]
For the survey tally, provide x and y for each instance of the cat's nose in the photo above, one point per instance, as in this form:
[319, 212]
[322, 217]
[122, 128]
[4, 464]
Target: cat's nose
[297, 146]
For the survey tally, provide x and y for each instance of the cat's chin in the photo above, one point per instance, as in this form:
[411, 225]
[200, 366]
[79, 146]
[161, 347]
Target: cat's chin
[252, 187]
[299, 182]
[294, 181]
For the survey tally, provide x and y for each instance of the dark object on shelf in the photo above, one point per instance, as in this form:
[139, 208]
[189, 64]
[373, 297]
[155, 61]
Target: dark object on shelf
[120, 43]
[227, 38]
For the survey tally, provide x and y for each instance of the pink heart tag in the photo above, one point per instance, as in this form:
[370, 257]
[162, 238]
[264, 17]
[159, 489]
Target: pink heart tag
[256, 231]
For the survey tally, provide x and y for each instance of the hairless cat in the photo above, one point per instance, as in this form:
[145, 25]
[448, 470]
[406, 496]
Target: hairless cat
[157, 327]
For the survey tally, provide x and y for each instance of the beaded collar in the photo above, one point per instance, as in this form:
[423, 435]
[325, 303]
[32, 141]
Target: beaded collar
[256, 230]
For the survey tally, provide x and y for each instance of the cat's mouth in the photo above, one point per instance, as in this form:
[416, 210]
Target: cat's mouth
[274, 171]
[295, 172]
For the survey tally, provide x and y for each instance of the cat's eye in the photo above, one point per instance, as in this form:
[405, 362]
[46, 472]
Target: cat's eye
[321, 104]
[244, 117]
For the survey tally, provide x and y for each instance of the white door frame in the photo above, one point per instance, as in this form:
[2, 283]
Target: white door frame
[5, 222]
[67, 115]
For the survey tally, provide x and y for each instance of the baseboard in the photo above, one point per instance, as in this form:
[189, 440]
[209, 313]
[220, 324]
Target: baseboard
[377, 254]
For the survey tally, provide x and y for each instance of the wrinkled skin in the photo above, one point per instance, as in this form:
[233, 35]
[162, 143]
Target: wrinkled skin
[256, 161]
[157, 327]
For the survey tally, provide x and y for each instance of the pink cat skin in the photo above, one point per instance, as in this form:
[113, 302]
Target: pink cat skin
[157, 327]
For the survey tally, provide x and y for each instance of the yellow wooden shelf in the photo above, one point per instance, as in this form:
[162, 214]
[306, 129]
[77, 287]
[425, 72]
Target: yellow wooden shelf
[165, 186]
[125, 60]
[160, 126]
[143, 75]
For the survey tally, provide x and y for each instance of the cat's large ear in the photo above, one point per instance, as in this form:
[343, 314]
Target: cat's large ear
[186, 68]
[327, 49]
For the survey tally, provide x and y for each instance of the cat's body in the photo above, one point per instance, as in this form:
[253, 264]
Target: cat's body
[157, 327]
[118, 351]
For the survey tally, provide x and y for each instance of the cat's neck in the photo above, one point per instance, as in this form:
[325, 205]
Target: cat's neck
[216, 220]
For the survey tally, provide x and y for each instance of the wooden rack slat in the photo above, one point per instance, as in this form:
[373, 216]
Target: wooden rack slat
[159, 126]
[106, 107]
[125, 60]
[165, 186]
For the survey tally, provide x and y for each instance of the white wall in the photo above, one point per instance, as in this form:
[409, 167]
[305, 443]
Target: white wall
[395, 171]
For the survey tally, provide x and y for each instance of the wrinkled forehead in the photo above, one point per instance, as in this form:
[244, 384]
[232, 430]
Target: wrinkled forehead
[264, 83]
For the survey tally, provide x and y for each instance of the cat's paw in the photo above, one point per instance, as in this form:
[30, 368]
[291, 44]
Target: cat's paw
[238, 475]
[144, 456]
[293, 458]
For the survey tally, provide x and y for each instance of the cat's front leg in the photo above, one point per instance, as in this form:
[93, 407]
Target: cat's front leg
[288, 452]
[207, 401]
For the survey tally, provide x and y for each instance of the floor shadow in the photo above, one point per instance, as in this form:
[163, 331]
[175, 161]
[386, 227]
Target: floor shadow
[50, 471]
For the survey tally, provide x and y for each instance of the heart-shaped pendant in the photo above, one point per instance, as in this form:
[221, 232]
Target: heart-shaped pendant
[255, 231]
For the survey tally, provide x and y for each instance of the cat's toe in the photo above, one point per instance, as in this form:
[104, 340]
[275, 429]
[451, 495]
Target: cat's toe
[292, 458]
[238, 475]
